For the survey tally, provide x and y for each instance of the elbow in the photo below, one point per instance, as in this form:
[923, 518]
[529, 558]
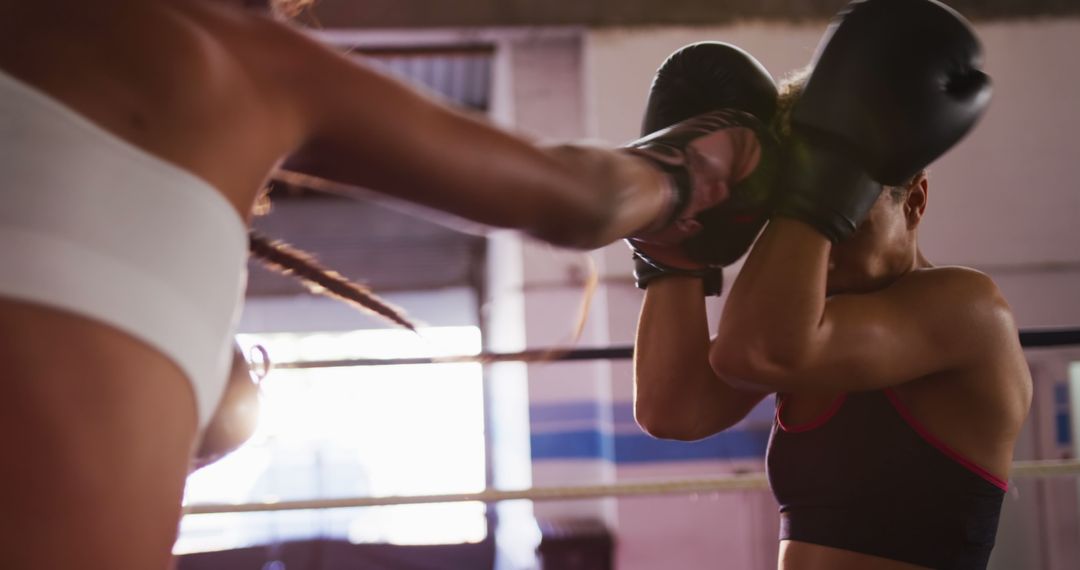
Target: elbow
[669, 430]
[670, 422]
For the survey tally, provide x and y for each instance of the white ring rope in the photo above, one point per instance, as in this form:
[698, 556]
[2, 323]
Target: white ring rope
[736, 482]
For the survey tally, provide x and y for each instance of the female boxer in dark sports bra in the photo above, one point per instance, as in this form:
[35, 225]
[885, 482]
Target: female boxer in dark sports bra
[896, 416]
[901, 386]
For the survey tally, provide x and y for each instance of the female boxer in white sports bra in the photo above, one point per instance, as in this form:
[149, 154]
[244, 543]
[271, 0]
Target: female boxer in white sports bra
[136, 135]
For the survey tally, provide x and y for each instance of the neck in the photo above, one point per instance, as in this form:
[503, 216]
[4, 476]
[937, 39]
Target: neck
[902, 262]
[920, 260]
[911, 258]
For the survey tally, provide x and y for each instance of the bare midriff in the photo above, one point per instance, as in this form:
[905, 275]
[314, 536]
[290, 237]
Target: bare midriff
[795, 555]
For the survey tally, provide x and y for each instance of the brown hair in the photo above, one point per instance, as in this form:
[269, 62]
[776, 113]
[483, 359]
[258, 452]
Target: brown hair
[284, 9]
[290, 8]
[288, 260]
[789, 88]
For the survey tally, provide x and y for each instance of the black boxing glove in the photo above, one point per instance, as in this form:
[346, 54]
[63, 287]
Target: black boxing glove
[895, 84]
[721, 163]
[708, 76]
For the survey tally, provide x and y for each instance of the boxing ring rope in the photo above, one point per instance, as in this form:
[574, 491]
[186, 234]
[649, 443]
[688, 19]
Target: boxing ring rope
[735, 482]
[1034, 338]
[728, 483]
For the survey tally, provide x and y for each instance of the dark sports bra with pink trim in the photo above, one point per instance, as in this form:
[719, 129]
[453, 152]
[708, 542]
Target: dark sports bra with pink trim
[867, 477]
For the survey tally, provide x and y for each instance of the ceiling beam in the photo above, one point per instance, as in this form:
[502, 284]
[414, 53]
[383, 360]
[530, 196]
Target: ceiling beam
[628, 13]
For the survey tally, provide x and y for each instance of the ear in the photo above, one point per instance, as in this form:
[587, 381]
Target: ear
[915, 203]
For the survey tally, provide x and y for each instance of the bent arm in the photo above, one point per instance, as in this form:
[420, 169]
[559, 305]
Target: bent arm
[779, 330]
[367, 129]
[676, 393]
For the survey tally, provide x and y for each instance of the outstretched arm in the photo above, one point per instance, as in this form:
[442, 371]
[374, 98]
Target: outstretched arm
[367, 129]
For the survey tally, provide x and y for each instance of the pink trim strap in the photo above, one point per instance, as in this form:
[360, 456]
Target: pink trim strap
[812, 424]
[949, 452]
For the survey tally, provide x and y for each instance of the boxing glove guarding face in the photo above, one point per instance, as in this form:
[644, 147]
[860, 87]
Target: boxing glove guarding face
[722, 100]
[722, 165]
[894, 84]
[898, 82]
[708, 76]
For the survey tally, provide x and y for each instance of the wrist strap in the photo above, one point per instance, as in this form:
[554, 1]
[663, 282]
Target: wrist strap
[645, 272]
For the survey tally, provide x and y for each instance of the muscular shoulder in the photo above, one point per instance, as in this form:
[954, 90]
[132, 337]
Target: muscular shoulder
[258, 41]
[285, 62]
[962, 301]
[259, 61]
[952, 284]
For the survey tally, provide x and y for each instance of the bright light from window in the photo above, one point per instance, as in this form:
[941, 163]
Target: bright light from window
[356, 431]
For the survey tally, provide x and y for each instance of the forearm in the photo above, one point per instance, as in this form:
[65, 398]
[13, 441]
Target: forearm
[634, 194]
[376, 133]
[776, 305]
[676, 394]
